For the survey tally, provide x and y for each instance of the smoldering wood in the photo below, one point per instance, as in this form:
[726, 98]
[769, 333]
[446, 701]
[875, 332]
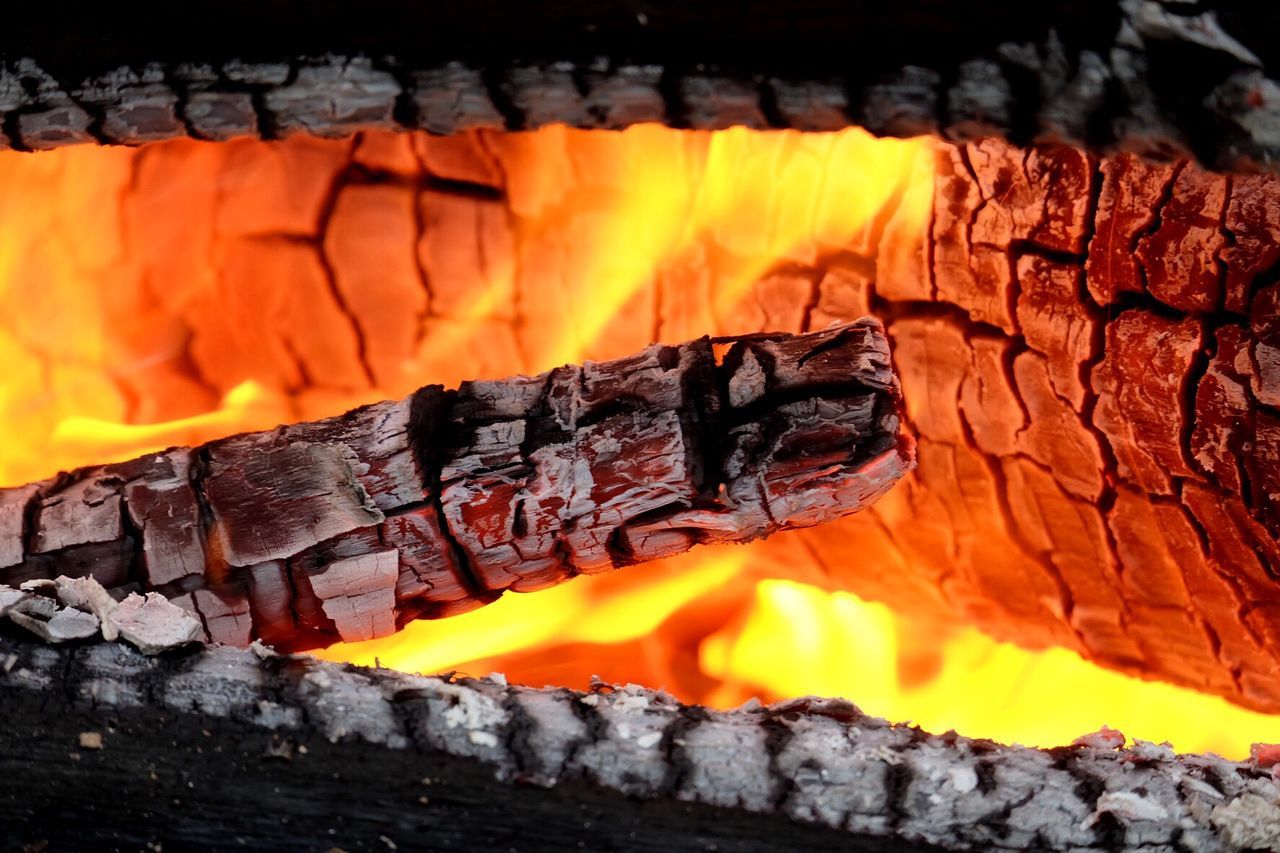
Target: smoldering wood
[1113, 76]
[289, 752]
[349, 527]
[1102, 417]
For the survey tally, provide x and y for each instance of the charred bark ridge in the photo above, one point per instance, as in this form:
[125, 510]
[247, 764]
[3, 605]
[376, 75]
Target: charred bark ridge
[1088, 348]
[292, 753]
[1155, 77]
[348, 527]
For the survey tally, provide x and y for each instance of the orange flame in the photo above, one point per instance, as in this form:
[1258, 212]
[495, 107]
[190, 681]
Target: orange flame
[184, 291]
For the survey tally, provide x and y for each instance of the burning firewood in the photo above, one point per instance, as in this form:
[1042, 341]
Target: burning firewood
[346, 528]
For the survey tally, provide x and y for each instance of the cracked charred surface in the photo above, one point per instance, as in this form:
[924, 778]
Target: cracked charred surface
[1088, 355]
[361, 758]
[1091, 401]
[438, 503]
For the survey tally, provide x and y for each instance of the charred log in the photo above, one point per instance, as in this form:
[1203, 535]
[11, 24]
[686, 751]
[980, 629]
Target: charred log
[1160, 78]
[291, 753]
[438, 503]
[1099, 404]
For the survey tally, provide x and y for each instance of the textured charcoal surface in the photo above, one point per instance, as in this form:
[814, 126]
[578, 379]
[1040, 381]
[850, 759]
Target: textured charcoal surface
[348, 527]
[220, 748]
[1161, 78]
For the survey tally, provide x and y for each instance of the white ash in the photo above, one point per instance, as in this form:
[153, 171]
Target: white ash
[53, 624]
[154, 624]
[150, 622]
[10, 597]
[90, 596]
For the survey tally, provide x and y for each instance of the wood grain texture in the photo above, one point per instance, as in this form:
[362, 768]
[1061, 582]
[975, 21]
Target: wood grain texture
[339, 755]
[1095, 405]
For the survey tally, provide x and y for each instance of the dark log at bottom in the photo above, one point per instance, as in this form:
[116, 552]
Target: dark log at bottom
[218, 784]
[217, 747]
[348, 527]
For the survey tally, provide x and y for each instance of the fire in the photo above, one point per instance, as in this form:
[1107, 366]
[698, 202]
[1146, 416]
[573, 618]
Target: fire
[962, 680]
[185, 291]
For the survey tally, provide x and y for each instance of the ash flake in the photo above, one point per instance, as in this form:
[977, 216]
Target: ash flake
[649, 741]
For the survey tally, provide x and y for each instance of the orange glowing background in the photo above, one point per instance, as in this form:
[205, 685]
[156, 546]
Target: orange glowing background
[186, 291]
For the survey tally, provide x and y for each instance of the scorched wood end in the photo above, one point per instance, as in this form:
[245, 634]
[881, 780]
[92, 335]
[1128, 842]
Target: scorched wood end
[347, 528]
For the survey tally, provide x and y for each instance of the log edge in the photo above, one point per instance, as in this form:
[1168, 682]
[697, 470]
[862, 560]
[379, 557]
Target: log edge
[1120, 82]
[819, 762]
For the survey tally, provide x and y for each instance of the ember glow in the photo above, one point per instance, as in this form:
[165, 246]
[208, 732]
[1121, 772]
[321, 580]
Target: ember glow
[185, 291]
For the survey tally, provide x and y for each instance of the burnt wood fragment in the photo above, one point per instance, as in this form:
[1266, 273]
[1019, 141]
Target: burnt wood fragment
[348, 527]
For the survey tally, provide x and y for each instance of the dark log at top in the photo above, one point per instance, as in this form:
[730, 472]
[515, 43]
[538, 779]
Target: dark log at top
[219, 748]
[755, 36]
[1161, 78]
[348, 527]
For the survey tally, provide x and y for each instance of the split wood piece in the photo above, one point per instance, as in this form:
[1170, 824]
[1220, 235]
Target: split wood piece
[348, 527]
[279, 727]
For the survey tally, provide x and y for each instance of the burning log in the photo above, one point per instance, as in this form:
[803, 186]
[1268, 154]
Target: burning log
[348, 527]
[352, 757]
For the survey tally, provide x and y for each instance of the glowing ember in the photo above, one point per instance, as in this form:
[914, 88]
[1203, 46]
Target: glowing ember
[184, 291]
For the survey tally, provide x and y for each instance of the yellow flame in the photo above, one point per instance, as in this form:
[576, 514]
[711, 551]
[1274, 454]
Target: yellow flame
[571, 612]
[797, 639]
[247, 406]
[797, 198]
